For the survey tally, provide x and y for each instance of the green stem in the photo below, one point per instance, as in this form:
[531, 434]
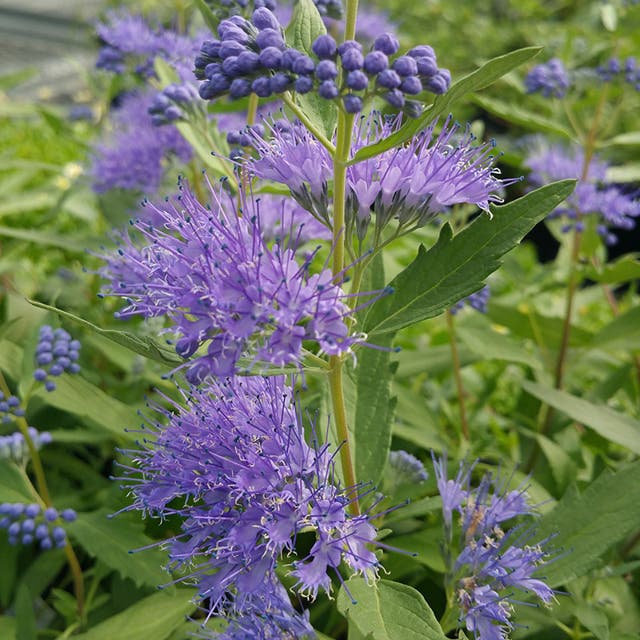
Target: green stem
[457, 376]
[351, 17]
[252, 109]
[45, 496]
[322, 139]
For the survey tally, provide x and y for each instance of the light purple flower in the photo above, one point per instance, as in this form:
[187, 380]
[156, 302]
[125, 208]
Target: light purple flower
[133, 155]
[233, 463]
[550, 79]
[213, 274]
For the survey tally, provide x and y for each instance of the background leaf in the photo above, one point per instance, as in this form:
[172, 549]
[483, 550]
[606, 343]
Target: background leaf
[388, 610]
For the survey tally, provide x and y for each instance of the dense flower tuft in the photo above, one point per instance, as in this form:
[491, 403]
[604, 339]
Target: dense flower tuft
[212, 272]
[493, 563]
[613, 207]
[234, 464]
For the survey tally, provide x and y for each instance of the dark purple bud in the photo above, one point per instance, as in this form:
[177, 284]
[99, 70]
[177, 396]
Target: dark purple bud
[210, 49]
[303, 65]
[358, 81]
[324, 47]
[248, 62]
[271, 58]
[263, 19]
[326, 70]
[262, 88]
[440, 83]
[56, 370]
[239, 88]
[427, 67]
[74, 368]
[233, 29]
[352, 103]
[230, 48]
[395, 98]
[388, 79]
[40, 375]
[405, 66]
[411, 86]
[216, 86]
[387, 43]
[349, 44]
[69, 515]
[303, 84]
[231, 67]
[44, 358]
[50, 385]
[50, 514]
[32, 510]
[352, 59]
[186, 347]
[212, 69]
[422, 51]
[375, 62]
[289, 56]
[270, 38]
[328, 90]
[280, 82]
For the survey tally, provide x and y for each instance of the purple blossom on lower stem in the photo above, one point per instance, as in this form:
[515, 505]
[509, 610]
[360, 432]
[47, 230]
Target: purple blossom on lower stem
[492, 561]
[133, 155]
[233, 463]
[214, 275]
[410, 184]
[613, 207]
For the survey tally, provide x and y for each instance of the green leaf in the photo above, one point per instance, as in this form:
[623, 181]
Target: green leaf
[624, 173]
[153, 617]
[615, 427]
[209, 17]
[305, 26]
[625, 269]
[113, 541]
[388, 610]
[13, 484]
[563, 468]
[487, 74]
[26, 627]
[84, 400]
[593, 619]
[195, 139]
[27, 202]
[456, 266]
[7, 627]
[622, 333]
[631, 138]
[586, 526]
[77, 244]
[144, 346]
[520, 116]
[609, 17]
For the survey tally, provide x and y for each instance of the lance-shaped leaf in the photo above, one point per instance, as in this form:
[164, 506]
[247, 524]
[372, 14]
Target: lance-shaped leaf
[456, 266]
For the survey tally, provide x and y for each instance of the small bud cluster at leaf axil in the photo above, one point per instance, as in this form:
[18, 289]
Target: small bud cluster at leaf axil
[10, 408]
[13, 447]
[253, 57]
[29, 523]
[56, 353]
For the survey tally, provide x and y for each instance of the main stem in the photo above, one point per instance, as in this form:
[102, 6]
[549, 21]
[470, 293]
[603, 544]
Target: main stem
[458, 377]
[336, 363]
[45, 497]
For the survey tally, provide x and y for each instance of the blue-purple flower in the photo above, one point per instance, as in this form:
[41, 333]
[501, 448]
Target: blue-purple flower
[14, 447]
[410, 184]
[225, 288]
[613, 207]
[550, 79]
[233, 463]
[493, 562]
[134, 154]
[477, 300]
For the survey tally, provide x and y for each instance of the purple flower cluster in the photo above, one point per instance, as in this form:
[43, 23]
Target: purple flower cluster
[550, 79]
[28, 523]
[477, 300]
[613, 69]
[55, 353]
[251, 56]
[232, 461]
[172, 103]
[212, 272]
[131, 42]
[134, 154]
[412, 183]
[13, 447]
[10, 408]
[613, 207]
[491, 563]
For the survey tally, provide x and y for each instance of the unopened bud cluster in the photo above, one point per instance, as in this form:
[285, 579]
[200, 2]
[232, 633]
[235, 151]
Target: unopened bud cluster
[14, 447]
[10, 408]
[29, 523]
[56, 353]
